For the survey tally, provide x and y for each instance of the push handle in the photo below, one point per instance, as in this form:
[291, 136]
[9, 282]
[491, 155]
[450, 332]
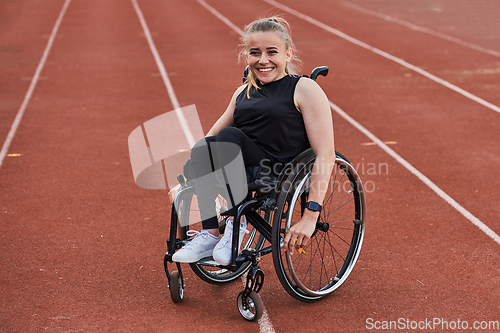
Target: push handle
[245, 74]
[322, 70]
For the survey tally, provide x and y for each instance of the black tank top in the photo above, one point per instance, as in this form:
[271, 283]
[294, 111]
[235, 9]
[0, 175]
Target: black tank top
[271, 119]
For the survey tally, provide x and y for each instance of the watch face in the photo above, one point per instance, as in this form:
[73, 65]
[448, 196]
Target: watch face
[311, 205]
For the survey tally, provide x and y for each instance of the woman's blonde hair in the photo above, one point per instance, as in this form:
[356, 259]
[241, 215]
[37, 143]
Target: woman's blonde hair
[274, 23]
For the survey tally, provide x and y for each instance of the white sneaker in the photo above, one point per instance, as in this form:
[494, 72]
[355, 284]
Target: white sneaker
[222, 251]
[200, 246]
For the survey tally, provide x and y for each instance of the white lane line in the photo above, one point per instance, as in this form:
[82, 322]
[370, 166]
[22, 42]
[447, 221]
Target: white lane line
[385, 55]
[414, 171]
[419, 28]
[419, 175]
[265, 325]
[164, 75]
[34, 80]
[221, 17]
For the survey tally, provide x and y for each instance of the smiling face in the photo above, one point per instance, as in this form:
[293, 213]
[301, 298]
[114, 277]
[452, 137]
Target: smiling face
[267, 55]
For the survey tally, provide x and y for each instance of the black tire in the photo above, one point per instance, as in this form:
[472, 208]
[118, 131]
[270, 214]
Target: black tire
[176, 287]
[334, 247]
[253, 308]
[208, 270]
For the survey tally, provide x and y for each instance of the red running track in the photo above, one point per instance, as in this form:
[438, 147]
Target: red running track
[82, 245]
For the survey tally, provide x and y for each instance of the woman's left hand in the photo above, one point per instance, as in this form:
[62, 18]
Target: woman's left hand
[300, 233]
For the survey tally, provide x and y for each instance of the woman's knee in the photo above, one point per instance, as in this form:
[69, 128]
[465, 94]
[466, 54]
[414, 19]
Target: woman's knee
[230, 141]
[200, 151]
[230, 134]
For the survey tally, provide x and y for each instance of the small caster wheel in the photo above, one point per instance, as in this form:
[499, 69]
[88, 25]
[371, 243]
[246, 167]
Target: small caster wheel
[252, 308]
[176, 287]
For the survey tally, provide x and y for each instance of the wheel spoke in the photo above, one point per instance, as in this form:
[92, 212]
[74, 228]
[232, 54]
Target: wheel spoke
[329, 256]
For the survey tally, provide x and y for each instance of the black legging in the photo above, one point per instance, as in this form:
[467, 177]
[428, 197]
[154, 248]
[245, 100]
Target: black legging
[204, 160]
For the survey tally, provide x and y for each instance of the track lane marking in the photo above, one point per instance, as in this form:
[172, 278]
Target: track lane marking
[164, 76]
[408, 166]
[265, 325]
[221, 17]
[419, 28]
[373, 143]
[419, 175]
[385, 55]
[34, 80]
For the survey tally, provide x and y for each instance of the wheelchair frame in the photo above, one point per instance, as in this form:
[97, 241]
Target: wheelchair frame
[284, 203]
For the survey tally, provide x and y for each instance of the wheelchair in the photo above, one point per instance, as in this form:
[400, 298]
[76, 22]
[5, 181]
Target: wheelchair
[321, 267]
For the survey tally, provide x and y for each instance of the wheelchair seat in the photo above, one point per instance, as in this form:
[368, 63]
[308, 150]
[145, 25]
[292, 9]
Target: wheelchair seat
[255, 179]
[258, 182]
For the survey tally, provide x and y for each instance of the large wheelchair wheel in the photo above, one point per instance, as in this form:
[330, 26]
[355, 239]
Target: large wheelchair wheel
[207, 269]
[334, 247]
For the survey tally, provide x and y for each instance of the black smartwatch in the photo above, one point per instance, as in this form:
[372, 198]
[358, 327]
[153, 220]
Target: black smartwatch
[314, 206]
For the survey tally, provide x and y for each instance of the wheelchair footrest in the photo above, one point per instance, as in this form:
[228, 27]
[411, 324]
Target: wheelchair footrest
[209, 261]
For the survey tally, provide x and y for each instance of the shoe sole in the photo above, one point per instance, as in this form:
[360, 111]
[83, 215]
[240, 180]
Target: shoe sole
[205, 254]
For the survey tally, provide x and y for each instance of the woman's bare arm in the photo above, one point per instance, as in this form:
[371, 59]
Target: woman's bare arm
[226, 120]
[315, 108]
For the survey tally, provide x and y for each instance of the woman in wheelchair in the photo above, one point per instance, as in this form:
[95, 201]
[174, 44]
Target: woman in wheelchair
[272, 118]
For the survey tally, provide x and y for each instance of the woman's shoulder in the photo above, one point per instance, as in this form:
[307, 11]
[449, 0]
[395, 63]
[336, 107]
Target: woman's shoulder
[239, 91]
[306, 84]
[307, 91]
